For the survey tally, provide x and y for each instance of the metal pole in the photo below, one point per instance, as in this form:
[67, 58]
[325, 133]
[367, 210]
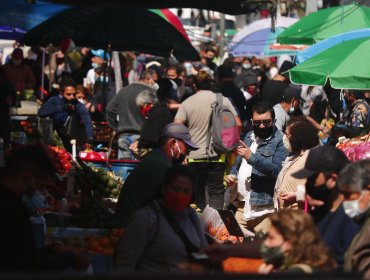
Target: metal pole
[42, 75]
[222, 39]
[117, 71]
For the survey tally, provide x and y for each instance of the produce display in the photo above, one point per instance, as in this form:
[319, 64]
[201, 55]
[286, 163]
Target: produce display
[94, 240]
[92, 214]
[61, 159]
[100, 182]
[355, 149]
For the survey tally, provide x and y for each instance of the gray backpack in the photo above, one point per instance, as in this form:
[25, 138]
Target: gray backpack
[224, 132]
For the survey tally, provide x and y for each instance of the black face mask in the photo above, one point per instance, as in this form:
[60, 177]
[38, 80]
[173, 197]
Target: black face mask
[72, 102]
[209, 60]
[318, 192]
[179, 160]
[263, 133]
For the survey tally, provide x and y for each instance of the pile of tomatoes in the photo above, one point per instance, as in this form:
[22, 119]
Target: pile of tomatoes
[61, 159]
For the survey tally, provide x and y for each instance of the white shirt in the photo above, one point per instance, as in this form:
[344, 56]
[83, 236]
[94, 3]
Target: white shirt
[244, 186]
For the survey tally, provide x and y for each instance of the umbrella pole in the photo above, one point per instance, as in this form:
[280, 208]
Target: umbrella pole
[117, 71]
[42, 75]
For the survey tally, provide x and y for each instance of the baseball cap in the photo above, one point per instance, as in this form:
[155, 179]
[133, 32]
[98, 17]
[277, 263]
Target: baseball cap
[100, 53]
[322, 159]
[287, 65]
[292, 91]
[181, 132]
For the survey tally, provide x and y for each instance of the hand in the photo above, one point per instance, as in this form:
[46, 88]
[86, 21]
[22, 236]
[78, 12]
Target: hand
[244, 151]
[69, 108]
[314, 202]
[265, 268]
[133, 146]
[230, 180]
[288, 196]
[217, 252]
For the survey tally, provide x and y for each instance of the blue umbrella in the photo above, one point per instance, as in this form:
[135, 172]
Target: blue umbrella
[20, 14]
[11, 33]
[329, 42]
[257, 43]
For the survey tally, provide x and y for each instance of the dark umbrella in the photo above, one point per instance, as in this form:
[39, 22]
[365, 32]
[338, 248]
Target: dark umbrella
[115, 25]
[234, 7]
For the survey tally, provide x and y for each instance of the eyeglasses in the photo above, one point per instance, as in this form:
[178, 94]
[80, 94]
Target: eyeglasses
[259, 122]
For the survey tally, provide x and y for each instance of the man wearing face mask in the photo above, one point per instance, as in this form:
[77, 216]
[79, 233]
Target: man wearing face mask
[124, 105]
[256, 168]
[325, 201]
[144, 182]
[70, 118]
[354, 183]
[97, 60]
[19, 74]
[288, 106]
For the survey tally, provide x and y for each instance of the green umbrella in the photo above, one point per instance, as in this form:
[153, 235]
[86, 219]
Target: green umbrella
[326, 23]
[345, 65]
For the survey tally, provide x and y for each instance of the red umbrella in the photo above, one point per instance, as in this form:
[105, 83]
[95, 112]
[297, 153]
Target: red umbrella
[173, 19]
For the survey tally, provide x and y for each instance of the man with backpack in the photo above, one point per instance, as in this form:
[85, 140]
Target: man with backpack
[259, 161]
[208, 163]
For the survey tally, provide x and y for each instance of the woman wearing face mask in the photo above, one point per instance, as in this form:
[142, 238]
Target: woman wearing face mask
[164, 234]
[300, 136]
[293, 245]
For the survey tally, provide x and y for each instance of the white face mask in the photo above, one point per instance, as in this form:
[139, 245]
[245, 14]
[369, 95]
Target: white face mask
[82, 100]
[246, 65]
[351, 207]
[94, 65]
[286, 144]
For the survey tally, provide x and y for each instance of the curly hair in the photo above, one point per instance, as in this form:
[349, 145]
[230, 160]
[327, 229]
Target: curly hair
[304, 135]
[307, 247]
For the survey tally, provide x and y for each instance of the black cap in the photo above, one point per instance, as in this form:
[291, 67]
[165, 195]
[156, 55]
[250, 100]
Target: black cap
[287, 65]
[181, 132]
[322, 159]
[292, 91]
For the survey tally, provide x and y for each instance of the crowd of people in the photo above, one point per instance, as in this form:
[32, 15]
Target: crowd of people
[285, 180]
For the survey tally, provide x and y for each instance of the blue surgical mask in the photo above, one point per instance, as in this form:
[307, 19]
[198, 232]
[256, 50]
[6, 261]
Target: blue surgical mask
[94, 65]
[291, 110]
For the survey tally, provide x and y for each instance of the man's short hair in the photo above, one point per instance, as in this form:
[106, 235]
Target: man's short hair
[225, 71]
[67, 82]
[145, 97]
[145, 74]
[263, 107]
[354, 177]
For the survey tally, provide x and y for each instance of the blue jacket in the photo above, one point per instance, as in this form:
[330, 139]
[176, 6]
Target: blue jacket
[266, 164]
[53, 108]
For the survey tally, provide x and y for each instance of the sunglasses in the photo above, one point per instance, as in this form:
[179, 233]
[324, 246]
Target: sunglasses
[259, 122]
